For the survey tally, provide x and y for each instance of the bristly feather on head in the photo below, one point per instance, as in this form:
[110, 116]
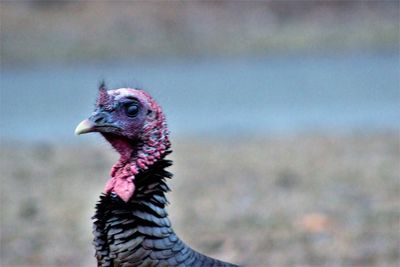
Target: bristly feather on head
[134, 124]
[103, 99]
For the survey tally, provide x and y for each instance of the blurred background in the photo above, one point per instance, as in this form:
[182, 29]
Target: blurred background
[284, 118]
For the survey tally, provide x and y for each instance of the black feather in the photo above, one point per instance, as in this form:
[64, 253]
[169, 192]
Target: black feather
[139, 233]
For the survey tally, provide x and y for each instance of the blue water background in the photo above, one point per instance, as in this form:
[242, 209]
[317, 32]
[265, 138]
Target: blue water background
[262, 96]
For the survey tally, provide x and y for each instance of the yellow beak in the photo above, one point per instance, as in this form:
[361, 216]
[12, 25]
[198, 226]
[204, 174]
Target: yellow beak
[86, 126]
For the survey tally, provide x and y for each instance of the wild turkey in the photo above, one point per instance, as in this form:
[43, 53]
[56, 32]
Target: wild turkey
[131, 226]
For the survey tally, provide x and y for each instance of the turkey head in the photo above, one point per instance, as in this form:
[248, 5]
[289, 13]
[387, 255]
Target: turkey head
[135, 126]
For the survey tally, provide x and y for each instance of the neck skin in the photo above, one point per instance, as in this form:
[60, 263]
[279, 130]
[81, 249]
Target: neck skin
[134, 156]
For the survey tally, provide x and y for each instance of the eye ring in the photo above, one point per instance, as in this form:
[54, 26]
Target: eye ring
[131, 109]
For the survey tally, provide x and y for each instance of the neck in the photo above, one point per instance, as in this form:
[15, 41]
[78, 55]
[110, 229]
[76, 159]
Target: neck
[135, 156]
[142, 217]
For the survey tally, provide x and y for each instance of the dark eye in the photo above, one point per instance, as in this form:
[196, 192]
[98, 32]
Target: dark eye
[132, 109]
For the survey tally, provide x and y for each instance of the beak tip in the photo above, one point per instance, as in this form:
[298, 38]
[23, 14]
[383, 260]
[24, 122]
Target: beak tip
[84, 127]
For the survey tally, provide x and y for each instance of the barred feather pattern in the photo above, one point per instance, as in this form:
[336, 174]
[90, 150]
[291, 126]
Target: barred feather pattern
[138, 232]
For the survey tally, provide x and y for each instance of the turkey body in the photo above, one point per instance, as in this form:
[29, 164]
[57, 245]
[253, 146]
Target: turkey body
[138, 232]
[131, 225]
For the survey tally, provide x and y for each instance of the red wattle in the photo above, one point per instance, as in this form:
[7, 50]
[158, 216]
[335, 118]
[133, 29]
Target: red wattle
[123, 187]
[109, 185]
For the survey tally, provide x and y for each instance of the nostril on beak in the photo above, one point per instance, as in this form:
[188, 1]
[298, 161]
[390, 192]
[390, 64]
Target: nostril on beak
[100, 118]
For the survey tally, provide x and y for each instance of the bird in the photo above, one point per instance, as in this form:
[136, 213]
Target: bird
[131, 225]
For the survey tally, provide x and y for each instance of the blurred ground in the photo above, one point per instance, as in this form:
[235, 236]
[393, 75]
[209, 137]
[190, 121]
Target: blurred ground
[304, 200]
[79, 32]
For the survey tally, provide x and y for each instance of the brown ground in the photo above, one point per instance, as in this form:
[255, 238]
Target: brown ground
[306, 200]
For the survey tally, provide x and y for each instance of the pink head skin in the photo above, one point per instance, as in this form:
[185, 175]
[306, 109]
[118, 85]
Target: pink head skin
[135, 126]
